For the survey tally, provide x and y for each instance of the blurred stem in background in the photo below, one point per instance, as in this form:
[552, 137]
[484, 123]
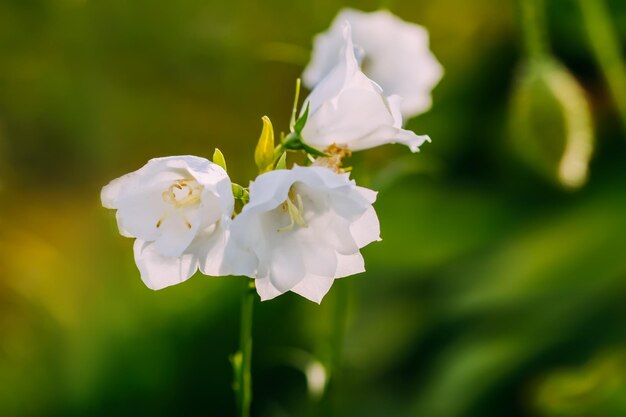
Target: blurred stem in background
[338, 331]
[243, 358]
[385, 4]
[337, 335]
[606, 49]
[532, 22]
[323, 389]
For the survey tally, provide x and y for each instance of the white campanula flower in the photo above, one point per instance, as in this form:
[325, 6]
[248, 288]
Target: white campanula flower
[179, 209]
[394, 53]
[302, 228]
[349, 110]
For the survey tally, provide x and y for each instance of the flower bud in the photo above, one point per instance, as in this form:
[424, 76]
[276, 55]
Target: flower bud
[551, 128]
[264, 152]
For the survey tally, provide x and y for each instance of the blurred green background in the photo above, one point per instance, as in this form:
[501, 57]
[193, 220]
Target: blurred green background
[495, 291]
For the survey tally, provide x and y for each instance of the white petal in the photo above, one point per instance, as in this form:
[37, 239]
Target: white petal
[313, 287]
[210, 247]
[367, 194]
[110, 193]
[177, 231]
[139, 210]
[334, 231]
[245, 238]
[319, 260]
[269, 191]
[367, 229]
[287, 265]
[265, 289]
[349, 265]
[356, 113]
[342, 73]
[239, 261]
[410, 139]
[158, 271]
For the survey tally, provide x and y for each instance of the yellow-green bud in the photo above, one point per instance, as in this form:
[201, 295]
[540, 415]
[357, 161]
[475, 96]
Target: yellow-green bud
[264, 152]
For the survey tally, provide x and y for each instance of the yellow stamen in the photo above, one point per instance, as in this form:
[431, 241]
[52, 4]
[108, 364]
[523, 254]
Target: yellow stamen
[189, 199]
[295, 212]
[193, 193]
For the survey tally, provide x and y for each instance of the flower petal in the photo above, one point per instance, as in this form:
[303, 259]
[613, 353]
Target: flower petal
[313, 287]
[349, 265]
[265, 289]
[159, 271]
[366, 229]
[287, 266]
[209, 246]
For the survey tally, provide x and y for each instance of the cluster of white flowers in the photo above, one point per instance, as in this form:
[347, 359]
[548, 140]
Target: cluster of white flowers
[299, 228]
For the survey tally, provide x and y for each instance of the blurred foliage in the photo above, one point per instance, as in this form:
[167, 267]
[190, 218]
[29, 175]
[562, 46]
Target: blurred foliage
[494, 292]
[598, 388]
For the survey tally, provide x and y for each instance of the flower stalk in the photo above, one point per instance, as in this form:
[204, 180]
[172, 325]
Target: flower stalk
[242, 360]
[532, 22]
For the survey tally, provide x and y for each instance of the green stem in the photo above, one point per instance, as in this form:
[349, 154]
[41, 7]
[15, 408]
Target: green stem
[243, 358]
[534, 31]
[333, 351]
[340, 320]
[606, 49]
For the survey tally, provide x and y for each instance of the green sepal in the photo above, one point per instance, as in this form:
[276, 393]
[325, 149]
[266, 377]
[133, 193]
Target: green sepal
[293, 142]
[312, 151]
[294, 110]
[301, 122]
[282, 161]
[240, 193]
[218, 158]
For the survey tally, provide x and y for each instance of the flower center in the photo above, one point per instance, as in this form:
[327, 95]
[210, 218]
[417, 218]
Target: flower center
[295, 210]
[181, 194]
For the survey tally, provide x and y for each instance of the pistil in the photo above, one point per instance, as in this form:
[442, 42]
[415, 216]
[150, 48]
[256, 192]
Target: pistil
[295, 211]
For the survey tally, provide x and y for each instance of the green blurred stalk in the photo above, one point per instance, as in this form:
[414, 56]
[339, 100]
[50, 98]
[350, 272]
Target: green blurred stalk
[333, 349]
[532, 22]
[605, 46]
[385, 4]
[243, 358]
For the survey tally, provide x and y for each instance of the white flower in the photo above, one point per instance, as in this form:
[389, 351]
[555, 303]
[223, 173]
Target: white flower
[302, 229]
[394, 53]
[350, 110]
[179, 209]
